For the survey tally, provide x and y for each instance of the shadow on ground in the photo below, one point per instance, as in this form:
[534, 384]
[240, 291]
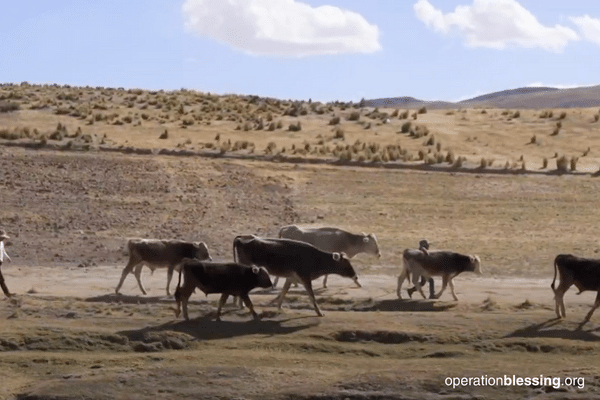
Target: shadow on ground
[206, 328]
[547, 329]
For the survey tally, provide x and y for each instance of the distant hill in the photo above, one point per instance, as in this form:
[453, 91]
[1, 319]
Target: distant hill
[527, 97]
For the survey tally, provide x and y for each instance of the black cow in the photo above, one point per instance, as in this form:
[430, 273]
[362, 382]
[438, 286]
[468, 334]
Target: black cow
[229, 279]
[297, 261]
[584, 273]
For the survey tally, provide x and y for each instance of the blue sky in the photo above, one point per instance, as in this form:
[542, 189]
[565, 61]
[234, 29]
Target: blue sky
[321, 49]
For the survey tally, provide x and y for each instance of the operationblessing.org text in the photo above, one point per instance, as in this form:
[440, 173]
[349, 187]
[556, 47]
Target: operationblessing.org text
[513, 380]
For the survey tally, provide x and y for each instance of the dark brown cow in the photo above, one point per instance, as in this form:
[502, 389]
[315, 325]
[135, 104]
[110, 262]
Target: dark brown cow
[332, 240]
[446, 264]
[584, 273]
[297, 261]
[156, 253]
[229, 279]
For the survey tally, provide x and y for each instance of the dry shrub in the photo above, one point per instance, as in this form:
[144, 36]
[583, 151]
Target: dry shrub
[279, 124]
[544, 163]
[339, 133]
[562, 115]
[414, 116]
[450, 157]
[458, 162]
[559, 124]
[438, 146]
[354, 116]
[555, 132]
[225, 147]
[405, 127]
[164, 135]
[403, 115]
[395, 113]
[483, 163]
[334, 121]
[8, 106]
[533, 140]
[517, 114]
[270, 147]
[573, 163]
[596, 117]
[430, 141]
[422, 110]
[562, 164]
[376, 158]
[421, 155]
[367, 125]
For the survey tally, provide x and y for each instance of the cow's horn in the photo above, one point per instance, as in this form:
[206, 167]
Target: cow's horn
[336, 256]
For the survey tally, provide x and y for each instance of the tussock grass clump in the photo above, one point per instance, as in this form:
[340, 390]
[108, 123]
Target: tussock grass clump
[505, 112]
[164, 135]
[555, 132]
[354, 116]
[405, 127]
[270, 147]
[517, 114]
[8, 106]
[422, 110]
[458, 163]
[430, 141]
[339, 133]
[562, 164]
[544, 163]
[573, 163]
[562, 115]
[533, 139]
[450, 157]
[403, 115]
[334, 121]
[295, 127]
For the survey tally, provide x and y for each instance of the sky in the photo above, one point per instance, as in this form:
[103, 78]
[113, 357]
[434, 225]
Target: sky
[324, 50]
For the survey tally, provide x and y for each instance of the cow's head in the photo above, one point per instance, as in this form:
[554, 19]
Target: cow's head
[370, 244]
[263, 278]
[344, 268]
[202, 251]
[476, 264]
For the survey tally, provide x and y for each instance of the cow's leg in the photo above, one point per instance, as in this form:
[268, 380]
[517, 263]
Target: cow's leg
[401, 279]
[451, 283]
[325, 282]
[559, 293]
[126, 271]
[431, 289]
[170, 270]
[286, 287]
[184, 304]
[138, 276]
[248, 303]
[308, 286]
[275, 281]
[594, 307]
[222, 301]
[444, 284]
[417, 284]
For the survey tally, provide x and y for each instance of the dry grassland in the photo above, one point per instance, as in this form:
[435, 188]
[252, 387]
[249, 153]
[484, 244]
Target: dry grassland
[67, 336]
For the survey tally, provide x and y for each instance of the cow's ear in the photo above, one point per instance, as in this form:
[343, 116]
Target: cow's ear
[366, 239]
[255, 269]
[336, 256]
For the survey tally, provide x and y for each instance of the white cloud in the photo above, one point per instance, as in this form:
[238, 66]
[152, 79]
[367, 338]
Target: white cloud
[589, 27]
[560, 85]
[281, 27]
[496, 24]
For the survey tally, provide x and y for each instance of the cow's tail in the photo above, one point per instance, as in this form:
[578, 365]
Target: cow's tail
[405, 268]
[555, 269]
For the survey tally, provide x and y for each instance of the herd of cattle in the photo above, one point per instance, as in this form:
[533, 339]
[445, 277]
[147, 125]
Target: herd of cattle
[302, 255]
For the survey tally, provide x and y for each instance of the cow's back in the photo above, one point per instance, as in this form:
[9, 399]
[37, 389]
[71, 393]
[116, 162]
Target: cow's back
[326, 239]
[161, 252]
[585, 271]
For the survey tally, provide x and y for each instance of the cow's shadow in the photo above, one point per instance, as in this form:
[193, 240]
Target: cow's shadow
[206, 328]
[404, 305]
[548, 329]
[126, 299]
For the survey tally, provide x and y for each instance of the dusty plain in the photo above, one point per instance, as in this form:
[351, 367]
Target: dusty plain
[70, 210]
